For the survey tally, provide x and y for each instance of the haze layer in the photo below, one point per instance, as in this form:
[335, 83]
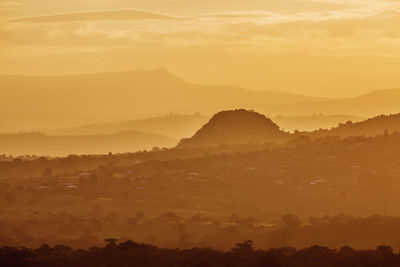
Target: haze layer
[325, 48]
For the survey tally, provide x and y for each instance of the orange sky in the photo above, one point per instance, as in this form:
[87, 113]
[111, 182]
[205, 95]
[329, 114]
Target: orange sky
[325, 48]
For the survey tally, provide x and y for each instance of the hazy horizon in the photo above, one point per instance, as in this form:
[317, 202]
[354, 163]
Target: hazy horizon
[201, 83]
[200, 133]
[322, 48]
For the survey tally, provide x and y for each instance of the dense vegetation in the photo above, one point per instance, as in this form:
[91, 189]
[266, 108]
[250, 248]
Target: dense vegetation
[209, 196]
[130, 253]
[299, 194]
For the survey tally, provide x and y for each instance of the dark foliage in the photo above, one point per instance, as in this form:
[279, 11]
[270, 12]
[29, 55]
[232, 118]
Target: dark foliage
[130, 253]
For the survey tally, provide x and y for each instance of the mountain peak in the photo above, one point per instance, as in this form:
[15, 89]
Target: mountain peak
[236, 127]
[164, 73]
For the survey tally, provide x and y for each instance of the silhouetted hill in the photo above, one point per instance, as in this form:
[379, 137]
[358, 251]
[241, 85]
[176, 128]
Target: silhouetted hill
[313, 122]
[176, 126]
[41, 144]
[83, 99]
[227, 127]
[385, 101]
[371, 127]
[236, 127]
[243, 127]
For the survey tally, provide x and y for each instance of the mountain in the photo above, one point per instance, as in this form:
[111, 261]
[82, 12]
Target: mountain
[173, 125]
[370, 127]
[236, 127]
[385, 101]
[100, 97]
[44, 102]
[226, 127]
[313, 122]
[46, 145]
[180, 126]
[244, 126]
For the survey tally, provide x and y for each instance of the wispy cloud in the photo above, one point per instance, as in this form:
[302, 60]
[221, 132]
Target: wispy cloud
[327, 31]
[8, 4]
[97, 16]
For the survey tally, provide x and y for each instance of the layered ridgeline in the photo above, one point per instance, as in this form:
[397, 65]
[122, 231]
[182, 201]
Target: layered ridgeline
[384, 101]
[232, 127]
[313, 122]
[30, 102]
[47, 145]
[39, 102]
[244, 127]
[371, 127]
[236, 127]
[173, 125]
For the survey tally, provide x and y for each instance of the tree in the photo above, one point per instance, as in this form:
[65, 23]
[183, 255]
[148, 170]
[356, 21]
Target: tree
[112, 242]
[384, 250]
[243, 247]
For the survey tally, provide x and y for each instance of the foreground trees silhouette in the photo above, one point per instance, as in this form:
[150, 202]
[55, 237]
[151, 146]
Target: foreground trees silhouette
[130, 253]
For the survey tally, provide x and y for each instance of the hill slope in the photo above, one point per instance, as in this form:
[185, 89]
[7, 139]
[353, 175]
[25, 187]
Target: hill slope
[313, 122]
[370, 127]
[175, 126]
[236, 127]
[386, 101]
[40, 144]
[86, 98]
[243, 127]
[31, 102]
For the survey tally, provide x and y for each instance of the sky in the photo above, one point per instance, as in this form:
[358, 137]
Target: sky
[323, 47]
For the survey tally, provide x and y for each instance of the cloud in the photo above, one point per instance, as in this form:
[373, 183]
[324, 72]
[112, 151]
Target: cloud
[247, 33]
[10, 4]
[250, 33]
[97, 16]
[340, 27]
[236, 15]
[240, 46]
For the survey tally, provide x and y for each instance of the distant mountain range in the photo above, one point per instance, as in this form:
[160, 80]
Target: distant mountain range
[370, 127]
[174, 125]
[179, 125]
[59, 101]
[46, 101]
[313, 122]
[227, 127]
[41, 144]
[64, 101]
[368, 105]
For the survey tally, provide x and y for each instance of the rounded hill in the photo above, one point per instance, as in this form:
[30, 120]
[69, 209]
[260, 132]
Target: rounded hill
[236, 127]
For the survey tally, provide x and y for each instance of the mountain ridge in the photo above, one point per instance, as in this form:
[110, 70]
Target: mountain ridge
[36, 143]
[117, 94]
[374, 103]
[370, 127]
[86, 98]
[172, 125]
